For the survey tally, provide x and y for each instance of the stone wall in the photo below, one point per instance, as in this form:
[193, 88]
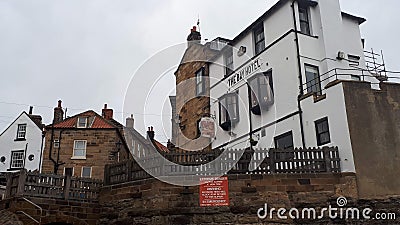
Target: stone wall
[191, 108]
[153, 202]
[100, 144]
[374, 124]
[71, 212]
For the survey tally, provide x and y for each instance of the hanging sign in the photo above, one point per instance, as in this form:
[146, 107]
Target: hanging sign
[207, 127]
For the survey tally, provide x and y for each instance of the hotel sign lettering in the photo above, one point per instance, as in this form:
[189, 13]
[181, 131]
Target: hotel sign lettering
[246, 71]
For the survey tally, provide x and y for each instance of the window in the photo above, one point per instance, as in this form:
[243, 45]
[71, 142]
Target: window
[68, 171]
[259, 39]
[79, 149]
[56, 143]
[82, 122]
[284, 141]
[86, 172]
[262, 92]
[312, 79]
[354, 60]
[322, 131]
[21, 132]
[304, 20]
[228, 61]
[200, 82]
[17, 159]
[228, 111]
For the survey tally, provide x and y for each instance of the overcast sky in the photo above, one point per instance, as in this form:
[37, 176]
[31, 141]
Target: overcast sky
[85, 52]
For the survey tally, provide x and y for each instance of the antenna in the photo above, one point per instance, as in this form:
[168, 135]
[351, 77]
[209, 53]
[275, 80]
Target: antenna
[198, 21]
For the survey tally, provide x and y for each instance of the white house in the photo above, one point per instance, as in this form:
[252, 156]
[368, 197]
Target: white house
[21, 144]
[275, 82]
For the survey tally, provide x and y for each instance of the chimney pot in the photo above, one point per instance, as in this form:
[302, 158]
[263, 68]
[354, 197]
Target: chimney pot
[130, 122]
[150, 133]
[30, 110]
[59, 103]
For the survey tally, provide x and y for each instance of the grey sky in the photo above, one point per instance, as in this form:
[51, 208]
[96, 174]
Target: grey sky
[86, 51]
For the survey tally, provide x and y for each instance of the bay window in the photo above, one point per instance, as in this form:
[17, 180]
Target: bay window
[261, 92]
[228, 111]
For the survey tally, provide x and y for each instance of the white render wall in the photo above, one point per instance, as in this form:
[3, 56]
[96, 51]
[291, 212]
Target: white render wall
[32, 144]
[331, 33]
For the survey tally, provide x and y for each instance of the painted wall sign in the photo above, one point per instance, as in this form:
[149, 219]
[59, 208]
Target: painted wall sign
[246, 71]
[207, 127]
[214, 191]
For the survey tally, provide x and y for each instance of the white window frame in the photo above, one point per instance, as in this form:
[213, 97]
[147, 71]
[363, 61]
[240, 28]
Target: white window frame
[90, 173]
[21, 130]
[78, 123]
[73, 150]
[200, 82]
[22, 159]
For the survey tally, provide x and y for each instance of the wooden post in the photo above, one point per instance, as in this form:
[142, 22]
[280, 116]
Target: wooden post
[9, 177]
[327, 157]
[21, 182]
[107, 174]
[67, 186]
[272, 160]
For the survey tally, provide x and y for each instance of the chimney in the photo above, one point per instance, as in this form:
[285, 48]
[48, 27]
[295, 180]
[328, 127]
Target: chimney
[35, 118]
[107, 113]
[194, 37]
[130, 122]
[58, 113]
[150, 133]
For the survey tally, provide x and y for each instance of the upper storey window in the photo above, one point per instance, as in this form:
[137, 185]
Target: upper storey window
[82, 122]
[200, 82]
[21, 131]
[228, 60]
[262, 93]
[228, 111]
[304, 19]
[259, 39]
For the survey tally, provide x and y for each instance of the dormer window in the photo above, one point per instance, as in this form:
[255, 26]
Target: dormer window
[82, 122]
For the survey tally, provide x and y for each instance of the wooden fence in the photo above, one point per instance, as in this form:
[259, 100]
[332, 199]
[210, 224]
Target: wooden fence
[30, 184]
[233, 161]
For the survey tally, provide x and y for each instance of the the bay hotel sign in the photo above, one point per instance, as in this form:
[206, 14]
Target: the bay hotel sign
[248, 70]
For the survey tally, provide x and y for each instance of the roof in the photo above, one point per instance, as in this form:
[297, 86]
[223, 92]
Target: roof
[95, 121]
[29, 116]
[160, 146]
[360, 20]
[153, 143]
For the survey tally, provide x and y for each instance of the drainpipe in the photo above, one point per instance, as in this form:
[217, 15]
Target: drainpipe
[41, 150]
[250, 122]
[300, 76]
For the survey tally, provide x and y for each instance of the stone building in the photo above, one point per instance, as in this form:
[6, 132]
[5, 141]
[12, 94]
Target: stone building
[83, 144]
[192, 90]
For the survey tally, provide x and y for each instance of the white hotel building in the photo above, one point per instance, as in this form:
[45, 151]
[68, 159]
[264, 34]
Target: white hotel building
[280, 81]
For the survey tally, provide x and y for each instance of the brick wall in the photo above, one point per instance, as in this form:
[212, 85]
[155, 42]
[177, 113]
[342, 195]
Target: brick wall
[100, 144]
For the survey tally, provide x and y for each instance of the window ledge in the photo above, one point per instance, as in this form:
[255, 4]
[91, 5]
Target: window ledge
[14, 169]
[309, 35]
[20, 139]
[79, 157]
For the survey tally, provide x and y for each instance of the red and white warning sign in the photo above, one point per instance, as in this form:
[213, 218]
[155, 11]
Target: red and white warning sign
[214, 191]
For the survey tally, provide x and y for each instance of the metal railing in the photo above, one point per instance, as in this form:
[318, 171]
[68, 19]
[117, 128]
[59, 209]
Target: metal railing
[317, 85]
